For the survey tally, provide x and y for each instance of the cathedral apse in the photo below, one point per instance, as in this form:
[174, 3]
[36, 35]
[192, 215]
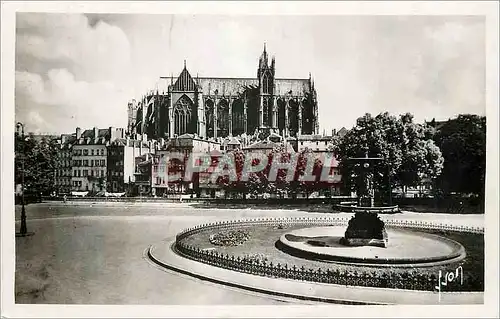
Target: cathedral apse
[213, 107]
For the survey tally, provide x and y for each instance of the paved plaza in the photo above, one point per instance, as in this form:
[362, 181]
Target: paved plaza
[94, 253]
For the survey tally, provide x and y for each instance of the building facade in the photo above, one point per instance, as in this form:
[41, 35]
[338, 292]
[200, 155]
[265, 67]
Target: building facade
[63, 173]
[89, 158]
[121, 163]
[219, 107]
[185, 144]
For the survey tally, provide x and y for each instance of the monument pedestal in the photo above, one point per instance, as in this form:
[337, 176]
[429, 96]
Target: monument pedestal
[365, 202]
[365, 229]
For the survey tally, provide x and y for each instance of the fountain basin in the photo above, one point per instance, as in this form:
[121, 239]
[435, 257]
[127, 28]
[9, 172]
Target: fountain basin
[405, 248]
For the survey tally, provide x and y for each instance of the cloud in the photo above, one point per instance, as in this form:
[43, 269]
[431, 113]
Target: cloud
[59, 102]
[79, 70]
[72, 72]
[69, 36]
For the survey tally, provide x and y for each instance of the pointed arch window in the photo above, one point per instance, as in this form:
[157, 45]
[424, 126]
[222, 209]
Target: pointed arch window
[223, 115]
[293, 117]
[267, 84]
[238, 117]
[209, 117]
[182, 115]
[265, 111]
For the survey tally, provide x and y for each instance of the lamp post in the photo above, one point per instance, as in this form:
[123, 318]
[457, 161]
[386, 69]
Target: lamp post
[23, 231]
[389, 181]
[366, 161]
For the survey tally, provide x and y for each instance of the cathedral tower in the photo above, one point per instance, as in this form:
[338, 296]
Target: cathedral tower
[265, 76]
[131, 116]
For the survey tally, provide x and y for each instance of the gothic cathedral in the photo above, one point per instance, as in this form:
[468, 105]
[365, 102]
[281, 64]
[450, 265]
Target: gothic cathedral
[213, 107]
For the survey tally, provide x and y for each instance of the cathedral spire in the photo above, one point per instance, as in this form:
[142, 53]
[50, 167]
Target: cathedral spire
[184, 63]
[263, 63]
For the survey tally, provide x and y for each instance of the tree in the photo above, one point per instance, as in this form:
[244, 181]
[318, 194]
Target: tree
[409, 155]
[462, 141]
[40, 159]
[308, 187]
[235, 186]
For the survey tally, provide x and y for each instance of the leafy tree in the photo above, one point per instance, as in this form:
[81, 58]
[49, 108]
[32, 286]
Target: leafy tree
[224, 182]
[40, 158]
[462, 141]
[409, 155]
[308, 187]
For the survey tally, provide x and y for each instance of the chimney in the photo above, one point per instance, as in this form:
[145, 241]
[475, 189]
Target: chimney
[112, 133]
[63, 139]
[78, 133]
[333, 132]
[96, 132]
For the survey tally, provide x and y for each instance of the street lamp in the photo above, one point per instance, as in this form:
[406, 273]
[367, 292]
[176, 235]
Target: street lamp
[23, 231]
[367, 164]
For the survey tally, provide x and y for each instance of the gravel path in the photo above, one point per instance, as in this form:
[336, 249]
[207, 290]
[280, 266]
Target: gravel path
[88, 253]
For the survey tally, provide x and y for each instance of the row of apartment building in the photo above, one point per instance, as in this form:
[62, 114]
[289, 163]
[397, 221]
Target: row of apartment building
[100, 161]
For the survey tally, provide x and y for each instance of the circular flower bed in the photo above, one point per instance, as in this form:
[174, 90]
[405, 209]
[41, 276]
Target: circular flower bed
[230, 238]
[260, 256]
[281, 226]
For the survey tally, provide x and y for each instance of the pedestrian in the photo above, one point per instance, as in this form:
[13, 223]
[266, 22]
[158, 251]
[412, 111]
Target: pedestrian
[64, 198]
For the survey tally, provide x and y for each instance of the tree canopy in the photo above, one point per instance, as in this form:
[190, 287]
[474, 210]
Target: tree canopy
[408, 154]
[39, 155]
[462, 141]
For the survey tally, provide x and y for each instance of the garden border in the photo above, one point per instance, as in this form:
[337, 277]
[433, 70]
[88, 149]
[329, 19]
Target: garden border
[407, 280]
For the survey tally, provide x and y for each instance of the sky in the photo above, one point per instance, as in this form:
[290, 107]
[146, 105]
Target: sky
[82, 69]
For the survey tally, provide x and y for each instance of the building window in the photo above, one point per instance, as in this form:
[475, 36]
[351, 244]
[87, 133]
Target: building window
[267, 84]
[92, 152]
[103, 163]
[79, 173]
[74, 173]
[85, 163]
[182, 115]
[266, 110]
[223, 116]
[85, 172]
[85, 152]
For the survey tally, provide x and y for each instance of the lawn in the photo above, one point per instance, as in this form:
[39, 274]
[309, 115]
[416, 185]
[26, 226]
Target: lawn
[262, 240]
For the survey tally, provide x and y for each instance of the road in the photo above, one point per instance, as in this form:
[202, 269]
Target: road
[93, 253]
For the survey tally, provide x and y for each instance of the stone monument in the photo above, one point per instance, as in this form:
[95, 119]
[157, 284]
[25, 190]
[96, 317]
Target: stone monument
[365, 228]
